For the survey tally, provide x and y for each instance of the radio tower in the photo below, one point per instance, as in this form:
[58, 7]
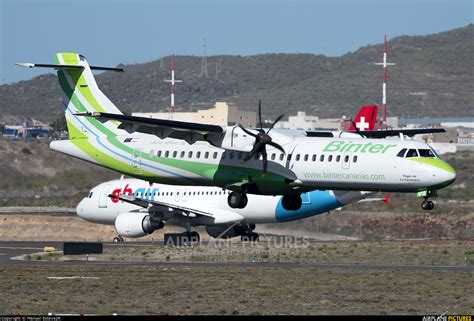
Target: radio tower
[172, 81]
[384, 87]
[204, 62]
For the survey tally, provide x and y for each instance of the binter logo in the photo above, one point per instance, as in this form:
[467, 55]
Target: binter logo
[345, 146]
[142, 192]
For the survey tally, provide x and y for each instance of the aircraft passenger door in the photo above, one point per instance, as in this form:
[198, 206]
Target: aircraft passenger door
[346, 160]
[137, 161]
[184, 197]
[103, 196]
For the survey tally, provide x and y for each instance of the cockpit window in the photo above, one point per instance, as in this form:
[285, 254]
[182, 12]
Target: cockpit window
[82, 58]
[402, 153]
[412, 153]
[426, 153]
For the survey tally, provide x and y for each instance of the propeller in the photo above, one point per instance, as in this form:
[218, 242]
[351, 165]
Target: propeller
[261, 140]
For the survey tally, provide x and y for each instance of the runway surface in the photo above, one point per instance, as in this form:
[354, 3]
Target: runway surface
[10, 249]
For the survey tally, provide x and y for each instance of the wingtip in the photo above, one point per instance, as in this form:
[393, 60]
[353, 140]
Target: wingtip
[25, 64]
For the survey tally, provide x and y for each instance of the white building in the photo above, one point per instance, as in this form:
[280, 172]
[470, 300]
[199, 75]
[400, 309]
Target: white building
[221, 114]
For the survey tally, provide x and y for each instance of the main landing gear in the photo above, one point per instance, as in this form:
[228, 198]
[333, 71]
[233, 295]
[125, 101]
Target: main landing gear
[240, 200]
[237, 200]
[179, 239]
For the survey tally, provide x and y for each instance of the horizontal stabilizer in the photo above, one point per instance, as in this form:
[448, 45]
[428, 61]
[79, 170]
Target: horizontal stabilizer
[382, 133]
[56, 66]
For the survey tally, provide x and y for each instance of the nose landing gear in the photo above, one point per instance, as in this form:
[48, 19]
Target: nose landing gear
[118, 239]
[427, 205]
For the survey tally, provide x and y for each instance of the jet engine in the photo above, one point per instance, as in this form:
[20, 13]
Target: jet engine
[136, 224]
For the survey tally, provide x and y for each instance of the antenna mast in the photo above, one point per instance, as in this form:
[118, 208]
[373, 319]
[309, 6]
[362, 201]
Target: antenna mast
[172, 81]
[384, 87]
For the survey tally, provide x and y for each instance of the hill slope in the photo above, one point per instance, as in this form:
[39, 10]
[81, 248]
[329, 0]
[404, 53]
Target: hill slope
[433, 77]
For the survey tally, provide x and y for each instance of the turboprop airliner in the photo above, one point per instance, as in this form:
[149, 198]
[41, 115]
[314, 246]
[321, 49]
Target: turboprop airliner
[243, 160]
[137, 208]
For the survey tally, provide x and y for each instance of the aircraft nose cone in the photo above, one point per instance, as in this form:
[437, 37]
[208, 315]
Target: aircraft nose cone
[448, 173]
[80, 208]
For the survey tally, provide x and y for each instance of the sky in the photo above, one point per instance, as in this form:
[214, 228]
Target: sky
[110, 32]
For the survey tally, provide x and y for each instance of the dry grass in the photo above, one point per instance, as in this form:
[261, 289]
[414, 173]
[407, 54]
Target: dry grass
[439, 252]
[26, 289]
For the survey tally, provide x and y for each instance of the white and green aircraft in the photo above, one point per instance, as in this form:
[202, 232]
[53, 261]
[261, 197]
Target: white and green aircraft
[182, 153]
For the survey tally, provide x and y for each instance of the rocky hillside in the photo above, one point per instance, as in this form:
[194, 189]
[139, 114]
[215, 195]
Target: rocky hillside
[433, 77]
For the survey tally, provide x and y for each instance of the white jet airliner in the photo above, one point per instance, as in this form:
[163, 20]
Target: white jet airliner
[245, 161]
[137, 208]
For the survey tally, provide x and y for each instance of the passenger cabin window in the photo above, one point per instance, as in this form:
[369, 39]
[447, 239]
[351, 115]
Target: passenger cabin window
[282, 156]
[314, 158]
[330, 158]
[346, 158]
[273, 156]
[412, 153]
[206, 155]
[174, 154]
[190, 155]
[297, 157]
[198, 154]
[167, 153]
[402, 153]
[321, 158]
[306, 157]
[338, 158]
[354, 159]
[158, 153]
[182, 154]
[426, 153]
[214, 155]
[231, 155]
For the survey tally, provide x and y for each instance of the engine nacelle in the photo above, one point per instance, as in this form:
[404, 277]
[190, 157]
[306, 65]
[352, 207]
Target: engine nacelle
[136, 224]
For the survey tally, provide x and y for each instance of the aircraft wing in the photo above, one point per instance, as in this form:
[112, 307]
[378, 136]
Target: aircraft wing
[218, 217]
[382, 133]
[190, 132]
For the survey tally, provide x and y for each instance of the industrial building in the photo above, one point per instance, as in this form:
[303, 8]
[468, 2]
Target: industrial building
[222, 114]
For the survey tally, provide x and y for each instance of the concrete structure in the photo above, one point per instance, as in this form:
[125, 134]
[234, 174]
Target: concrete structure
[304, 122]
[221, 114]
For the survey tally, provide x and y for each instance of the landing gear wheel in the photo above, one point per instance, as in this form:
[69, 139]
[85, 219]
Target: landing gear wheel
[237, 200]
[194, 237]
[291, 202]
[427, 205]
[118, 239]
[249, 237]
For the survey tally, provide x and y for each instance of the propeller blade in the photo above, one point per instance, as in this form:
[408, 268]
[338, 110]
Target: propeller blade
[254, 150]
[276, 121]
[247, 131]
[264, 157]
[260, 114]
[277, 147]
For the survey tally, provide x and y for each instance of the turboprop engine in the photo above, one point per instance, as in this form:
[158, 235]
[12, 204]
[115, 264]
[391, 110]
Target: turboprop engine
[136, 224]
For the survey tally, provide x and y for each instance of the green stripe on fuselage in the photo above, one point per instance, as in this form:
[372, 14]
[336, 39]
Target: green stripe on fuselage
[436, 162]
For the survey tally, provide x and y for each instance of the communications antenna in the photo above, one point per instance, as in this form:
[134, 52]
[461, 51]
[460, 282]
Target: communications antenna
[384, 86]
[204, 62]
[172, 81]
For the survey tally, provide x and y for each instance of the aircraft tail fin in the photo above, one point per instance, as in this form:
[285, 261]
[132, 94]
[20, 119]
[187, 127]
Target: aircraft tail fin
[81, 94]
[365, 120]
